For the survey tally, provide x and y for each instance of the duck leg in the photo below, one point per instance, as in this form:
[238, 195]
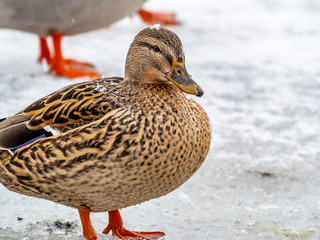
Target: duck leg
[69, 67]
[44, 51]
[116, 226]
[158, 17]
[88, 231]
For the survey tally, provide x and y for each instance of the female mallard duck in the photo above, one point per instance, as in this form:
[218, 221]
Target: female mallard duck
[57, 18]
[121, 141]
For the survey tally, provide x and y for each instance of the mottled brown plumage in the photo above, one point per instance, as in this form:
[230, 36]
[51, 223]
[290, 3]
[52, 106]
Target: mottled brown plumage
[121, 142]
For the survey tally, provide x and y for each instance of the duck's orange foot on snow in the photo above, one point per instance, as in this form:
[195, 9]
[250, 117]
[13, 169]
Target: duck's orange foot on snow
[73, 69]
[64, 67]
[88, 231]
[116, 226]
[158, 17]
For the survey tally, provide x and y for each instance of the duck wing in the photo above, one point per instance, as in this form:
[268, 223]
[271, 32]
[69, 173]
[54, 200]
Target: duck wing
[65, 109]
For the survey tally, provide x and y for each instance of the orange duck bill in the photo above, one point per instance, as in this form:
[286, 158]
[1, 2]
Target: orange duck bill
[179, 76]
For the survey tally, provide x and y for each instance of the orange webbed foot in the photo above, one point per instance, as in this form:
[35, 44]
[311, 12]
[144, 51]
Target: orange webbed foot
[69, 67]
[116, 226]
[73, 69]
[77, 64]
[162, 18]
[88, 231]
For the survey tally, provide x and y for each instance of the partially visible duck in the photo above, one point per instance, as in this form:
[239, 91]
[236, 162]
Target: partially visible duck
[57, 18]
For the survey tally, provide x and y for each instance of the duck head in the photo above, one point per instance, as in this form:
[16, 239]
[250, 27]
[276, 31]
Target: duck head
[156, 56]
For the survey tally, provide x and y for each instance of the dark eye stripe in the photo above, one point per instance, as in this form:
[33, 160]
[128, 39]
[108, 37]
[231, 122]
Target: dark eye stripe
[167, 56]
[145, 44]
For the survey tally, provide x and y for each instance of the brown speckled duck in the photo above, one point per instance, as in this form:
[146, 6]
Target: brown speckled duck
[121, 141]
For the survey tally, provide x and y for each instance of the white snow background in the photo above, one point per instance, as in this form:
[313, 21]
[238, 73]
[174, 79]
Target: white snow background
[259, 64]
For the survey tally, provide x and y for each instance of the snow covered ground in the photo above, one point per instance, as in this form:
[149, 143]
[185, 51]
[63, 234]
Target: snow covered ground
[259, 64]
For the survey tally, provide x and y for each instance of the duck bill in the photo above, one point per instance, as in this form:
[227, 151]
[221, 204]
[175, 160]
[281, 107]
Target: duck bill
[179, 76]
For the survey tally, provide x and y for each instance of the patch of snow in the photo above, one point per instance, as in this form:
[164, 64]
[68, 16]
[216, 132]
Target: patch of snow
[100, 88]
[155, 26]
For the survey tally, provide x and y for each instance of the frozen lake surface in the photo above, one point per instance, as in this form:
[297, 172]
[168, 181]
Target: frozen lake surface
[259, 64]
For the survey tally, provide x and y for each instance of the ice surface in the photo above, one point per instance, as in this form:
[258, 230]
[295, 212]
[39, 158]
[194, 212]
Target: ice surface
[258, 62]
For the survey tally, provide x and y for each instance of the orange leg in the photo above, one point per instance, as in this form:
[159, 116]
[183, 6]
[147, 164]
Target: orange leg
[158, 17]
[69, 67]
[44, 51]
[116, 226]
[88, 231]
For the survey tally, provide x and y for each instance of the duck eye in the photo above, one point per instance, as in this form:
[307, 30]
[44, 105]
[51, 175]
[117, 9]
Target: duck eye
[156, 48]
